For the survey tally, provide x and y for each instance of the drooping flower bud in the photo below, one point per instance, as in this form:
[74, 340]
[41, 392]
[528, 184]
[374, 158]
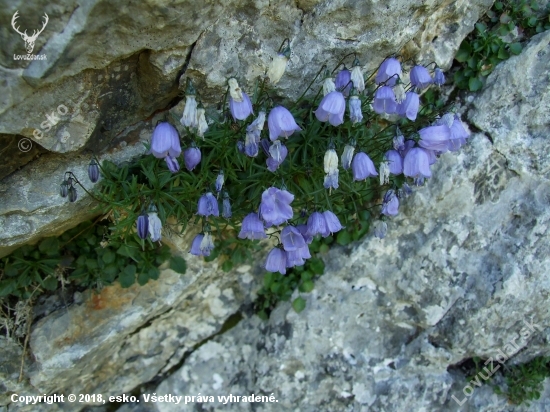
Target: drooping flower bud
[278, 66]
[93, 171]
[384, 173]
[226, 207]
[219, 181]
[207, 244]
[189, 117]
[202, 125]
[357, 76]
[355, 114]
[330, 162]
[72, 194]
[64, 189]
[439, 77]
[347, 156]
[142, 224]
[192, 157]
[328, 84]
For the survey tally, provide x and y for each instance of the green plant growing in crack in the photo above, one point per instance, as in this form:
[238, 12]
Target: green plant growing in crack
[496, 37]
[311, 179]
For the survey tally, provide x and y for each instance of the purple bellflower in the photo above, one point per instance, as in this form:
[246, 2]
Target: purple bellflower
[297, 257]
[208, 205]
[303, 230]
[409, 107]
[384, 101]
[281, 123]
[417, 163]
[251, 144]
[165, 141]
[252, 228]
[292, 239]
[207, 244]
[408, 145]
[435, 138]
[395, 162]
[240, 110]
[439, 77]
[332, 222]
[332, 108]
[276, 261]
[172, 164]
[275, 206]
[277, 155]
[142, 224]
[459, 134]
[420, 77]
[192, 157]
[380, 229]
[390, 205]
[388, 72]
[196, 246]
[342, 81]
[317, 225]
[362, 167]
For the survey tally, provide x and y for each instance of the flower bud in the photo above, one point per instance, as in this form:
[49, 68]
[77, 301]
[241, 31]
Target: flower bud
[72, 194]
[64, 189]
[93, 171]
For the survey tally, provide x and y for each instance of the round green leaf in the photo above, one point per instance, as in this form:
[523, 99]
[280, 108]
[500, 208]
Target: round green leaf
[108, 257]
[299, 304]
[307, 286]
[474, 84]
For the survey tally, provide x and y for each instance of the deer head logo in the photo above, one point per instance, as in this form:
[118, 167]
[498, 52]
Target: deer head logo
[29, 40]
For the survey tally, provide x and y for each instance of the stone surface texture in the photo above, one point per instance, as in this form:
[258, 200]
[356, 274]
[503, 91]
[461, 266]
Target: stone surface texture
[461, 272]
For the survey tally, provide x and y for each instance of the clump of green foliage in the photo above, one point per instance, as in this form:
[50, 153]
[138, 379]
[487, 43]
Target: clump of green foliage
[497, 37]
[85, 255]
[524, 382]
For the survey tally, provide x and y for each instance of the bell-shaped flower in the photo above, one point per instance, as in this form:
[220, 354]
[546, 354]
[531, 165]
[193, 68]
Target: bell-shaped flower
[172, 164]
[380, 229]
[277, 155]
[439, 77]
[347, 156]
[297, 257]
[202, 125]
[343, 81]
[362, 167]
[384, 101]
[332, 222]
[409, 107]
[281, 123]
[196, 246]
[240, 110]
[435, 138]
[317, 225]
[278, 66]
[250, 144]
[357, 78]
[332, 108]
[388, 72]
[165, 141]
[226, 207]
[420, 77]
[189, 117]
[355, 113]
[303, 230]
[331, 180]
[292, 239]
[142, 225]
[390, 205]
[408, 145]
[330, 162]
[417, 163]
[255, 128]
[252, 228]
[192, 157]
[395, 162]
[208, 205]
[219, 181]
[207, 244]
[155, 226]
[276, 261]
[93, 171]
[275, 206]
[459, 134]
